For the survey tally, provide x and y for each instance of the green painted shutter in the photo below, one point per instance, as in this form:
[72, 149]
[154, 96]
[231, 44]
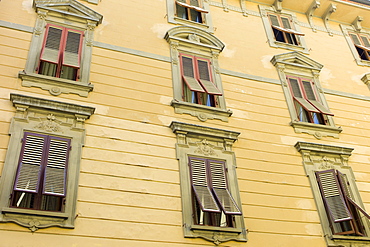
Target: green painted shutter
[205, 78]
[219, 186]
[72, 49]
[56, 168]
[51, 48]
[332, 196]
[188, 75]
[30, 163]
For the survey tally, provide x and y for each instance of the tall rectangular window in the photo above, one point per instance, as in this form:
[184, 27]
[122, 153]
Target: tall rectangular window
[40, 182]
[306, 101]
[190, 10]
[61, 53]
[283, 30]
[198, 86]
[362, 45]
[213, 203]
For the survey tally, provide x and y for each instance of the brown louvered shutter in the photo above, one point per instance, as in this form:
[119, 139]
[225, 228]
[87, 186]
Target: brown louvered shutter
[189, 76]
[332, 196]
[200, 185]
[355, 39]
[31, 158]
[51, 49]
[219, 187]
[294, 84]
[56, 167]
[312, 98]
[72, 49]
[286, 22]
[274, 20]
[205, 78]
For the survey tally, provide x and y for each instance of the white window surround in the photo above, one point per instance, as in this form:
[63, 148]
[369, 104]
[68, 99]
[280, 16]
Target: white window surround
[172, 18]
[299, 65]
[264, 10]
[346, 29]
[319, 157]
[70, 14]
[47, 117]
[196, 42]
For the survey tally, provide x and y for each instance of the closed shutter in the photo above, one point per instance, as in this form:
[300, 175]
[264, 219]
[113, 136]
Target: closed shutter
[200, 185]
[219, 187]
[51, 49]
[312, 98]
[332, 196]
[72, 49]
[189, 76]
[31, 158]
[205, 78]
[297, 94]
[56, 167]
[274, 20]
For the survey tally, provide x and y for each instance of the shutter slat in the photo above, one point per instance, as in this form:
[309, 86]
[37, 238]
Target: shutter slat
[72, 49]
[50, 52]
[55, 172]
[332, 196]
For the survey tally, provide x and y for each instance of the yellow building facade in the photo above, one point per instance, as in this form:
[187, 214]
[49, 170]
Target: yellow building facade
[184, 123]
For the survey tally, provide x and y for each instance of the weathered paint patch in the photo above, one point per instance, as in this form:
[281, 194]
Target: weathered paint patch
[266, 61]
[161, 29]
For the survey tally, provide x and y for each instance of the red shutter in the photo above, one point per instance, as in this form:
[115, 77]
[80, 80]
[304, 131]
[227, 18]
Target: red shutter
[219, 187]
[56, 166]
[200, 185]
[205, 77]
[310, 93]
[30, 163]
[189, 75]
[52, 44]
[72, 51]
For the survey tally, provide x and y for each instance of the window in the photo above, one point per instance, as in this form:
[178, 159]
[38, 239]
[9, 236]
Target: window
[41, 176]
[213, 204]
[209, 188]
[282, 29]
[61, 47]
[362, 45]
[61, 53]
[309, 112]
[38, 184]
[193, 13]
[195, 73]
[342, 215]
[306, 101]
[197, 81]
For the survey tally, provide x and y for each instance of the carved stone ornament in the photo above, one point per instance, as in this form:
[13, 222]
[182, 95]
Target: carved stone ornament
[49, 125]
[194, 37]
[205, 148]
[326, 163]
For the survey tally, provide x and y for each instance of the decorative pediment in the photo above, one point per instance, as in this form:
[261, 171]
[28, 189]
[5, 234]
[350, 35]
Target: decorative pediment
[194, 36]
[68, 7]
[296, 59]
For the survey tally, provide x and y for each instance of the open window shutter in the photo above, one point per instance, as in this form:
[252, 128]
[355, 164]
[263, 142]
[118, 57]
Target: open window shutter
[312, 98]
[205, 78]
[51, 47]
[188, 75]
[55, 171]
[30, 163]
[274, 20]
[286, 22]
[297, 94]
[200, 186]
[219, 187]
[72, 49]
[332, 196]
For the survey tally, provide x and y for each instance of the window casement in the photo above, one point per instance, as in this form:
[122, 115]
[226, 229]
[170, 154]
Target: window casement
[196, 76]
[41, 176]
[362, 44]
[61, 47]
[190, 12]
[198, 86]
[342, 214]
[39, 181]
[61, 53]
[308, 109]
[211, 203]
[282, 29]
[306, 101]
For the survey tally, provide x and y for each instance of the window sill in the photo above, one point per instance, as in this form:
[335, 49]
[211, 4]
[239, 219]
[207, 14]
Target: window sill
[34, 219]
[203, 113]
[54, 85]
[317, 130]
[289, 46]
[363, 62]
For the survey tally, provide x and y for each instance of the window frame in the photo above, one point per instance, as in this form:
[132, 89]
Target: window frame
[266, 11]
[347, 31]
[44, 117]
[321, 157]
[208, 144]
[79, 18]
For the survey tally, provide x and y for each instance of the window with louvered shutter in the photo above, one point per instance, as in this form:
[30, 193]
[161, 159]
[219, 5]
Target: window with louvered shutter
[283, 30]
[299, 97]
[52, 45]
[312, 98]
[362, 45]
[205, 78]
